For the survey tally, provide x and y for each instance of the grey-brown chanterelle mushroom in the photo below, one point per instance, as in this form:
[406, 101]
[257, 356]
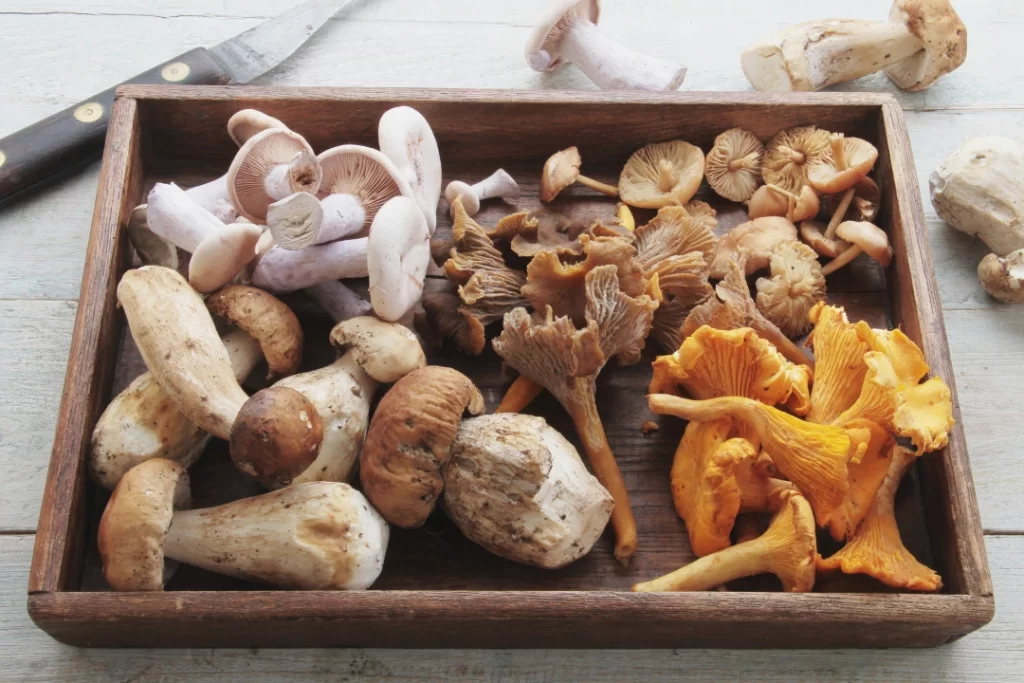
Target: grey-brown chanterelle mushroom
[315, 536]
[922, 41]
[568, 32]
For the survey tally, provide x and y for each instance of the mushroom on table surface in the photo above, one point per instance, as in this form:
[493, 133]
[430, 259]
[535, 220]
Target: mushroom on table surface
[498, 185]
[562, 169]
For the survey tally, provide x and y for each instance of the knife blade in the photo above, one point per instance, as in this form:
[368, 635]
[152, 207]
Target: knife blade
[64, 142]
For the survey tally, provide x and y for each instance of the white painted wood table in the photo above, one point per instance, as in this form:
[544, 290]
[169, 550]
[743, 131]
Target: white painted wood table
[56, 52]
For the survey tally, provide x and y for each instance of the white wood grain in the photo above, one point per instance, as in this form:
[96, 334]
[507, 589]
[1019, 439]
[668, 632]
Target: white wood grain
[993, 654]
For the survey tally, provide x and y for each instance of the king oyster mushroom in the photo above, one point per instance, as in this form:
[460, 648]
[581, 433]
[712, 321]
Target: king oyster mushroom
[517, 487]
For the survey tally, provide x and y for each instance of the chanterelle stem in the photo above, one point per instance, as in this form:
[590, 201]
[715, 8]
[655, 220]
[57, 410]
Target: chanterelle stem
[603, 188]
[614, 66]
[744, 559]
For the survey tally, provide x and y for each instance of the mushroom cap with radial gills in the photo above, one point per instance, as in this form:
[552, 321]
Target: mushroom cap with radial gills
[560, 171]
[752, 243]
[733, 166]
[261, 154]
[544, 46]
[795, 286]
[662, 174]
[789, 154]
[365, 173]
[135, 523]
[846, 163]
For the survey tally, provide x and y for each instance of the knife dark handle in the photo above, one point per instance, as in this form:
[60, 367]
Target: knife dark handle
[71, 138]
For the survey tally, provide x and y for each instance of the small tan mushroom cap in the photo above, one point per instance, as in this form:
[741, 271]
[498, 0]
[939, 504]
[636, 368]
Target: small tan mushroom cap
[868, 237]
[796, 285]
[268, 320]
[135, 523]
[846, 163]
[544, 47]
[386, 351]
[813, 233]
[254, 160]
[942, 34]
[1003, 278]
[364, 173]
[772, 200]
[733, 166]
[560, 171]
[751, 243]
[788, 155]
[662, 174]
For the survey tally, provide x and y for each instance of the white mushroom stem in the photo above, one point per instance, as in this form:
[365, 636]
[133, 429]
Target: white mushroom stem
[281, 270]
[174, 216]
[397, 257]
[817, 54]
[300, 220]
[497, 185]
[321, 535]
[611, 65]
[340, 302]
[213, 196]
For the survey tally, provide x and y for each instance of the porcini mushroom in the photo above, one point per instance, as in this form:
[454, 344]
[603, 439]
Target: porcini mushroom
[876, 548]
[409, 441]
[978, 191]
[397, 256]
[270, 166]
[751, 243]
[1003, 278]
[406, 138]
[847, 163]
[788, 155]
[922, 41]
[562, 169]
[569, 32]
[864, 238]
[787, 550]
[268, 320]
[315, 536]
[566, 361]
[357, 181]
[517, 487]
[662, 174]
[498, 185]
[733, 166]
[772, 200]
[795, 286]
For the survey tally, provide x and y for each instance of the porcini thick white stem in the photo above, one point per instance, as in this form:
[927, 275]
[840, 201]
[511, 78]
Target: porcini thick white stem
[281, 270]
[213, 196]
[818, 54]
[613, 66]
[340, 302]
[174, 216]
[320, 535]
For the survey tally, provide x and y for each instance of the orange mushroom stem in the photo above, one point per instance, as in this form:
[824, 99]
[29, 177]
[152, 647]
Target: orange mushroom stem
[520, 394]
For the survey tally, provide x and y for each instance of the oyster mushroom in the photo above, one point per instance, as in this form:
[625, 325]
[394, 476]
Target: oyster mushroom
[566, 361]
[357, 181]
[772, 200]
[406, 138]
[876, 548]
[409, 442]
[864, 238]
[498, 185]
[662, 174]
[733, 166]
[795, 286]
[397, 256]
[732, 307]
[787, 550]
[518, 488]
[847, 163]
[316, 536]
[270, 166]
[568, 32]
[562, 169]
[1003, 278]
[752, 243]
[922, 41]
[789, 154]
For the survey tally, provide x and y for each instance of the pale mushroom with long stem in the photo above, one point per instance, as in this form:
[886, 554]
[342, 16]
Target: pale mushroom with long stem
[338, 300]
[498, 185]
[406, 138]
[772, 200]
[842, 169]
[397, 256]
[562, 169]
[863, 238]
[568, 32]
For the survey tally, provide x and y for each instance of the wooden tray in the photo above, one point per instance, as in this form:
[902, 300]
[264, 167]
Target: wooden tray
[438, 589]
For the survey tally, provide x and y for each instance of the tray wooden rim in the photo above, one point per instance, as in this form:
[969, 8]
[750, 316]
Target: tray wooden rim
[49, 605]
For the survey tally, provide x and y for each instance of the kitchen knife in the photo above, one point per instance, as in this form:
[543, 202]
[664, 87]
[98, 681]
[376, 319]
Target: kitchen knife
[73, 137]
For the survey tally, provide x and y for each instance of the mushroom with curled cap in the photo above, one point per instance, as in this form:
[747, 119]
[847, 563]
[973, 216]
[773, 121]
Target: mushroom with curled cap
[315, 536]
[732, 307]
[867, 198]
[569, 32]
[662, 174]
[268, 320]
[1003, 278]
[562, 169]
[566, 360]
[397, 256]
[772, 200]
[406, 138]
[409, 441]
[357, 181]
[733, 166]
[813, 233]
[789, 154]
[751, 243]
[847, 162]
[498, 185]
[517, 487]
[245, 123]
[863, 238]
[922, 41]
[876, 548]
[270, 166]
[795, 286]
[787, 549]
[714, 475]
